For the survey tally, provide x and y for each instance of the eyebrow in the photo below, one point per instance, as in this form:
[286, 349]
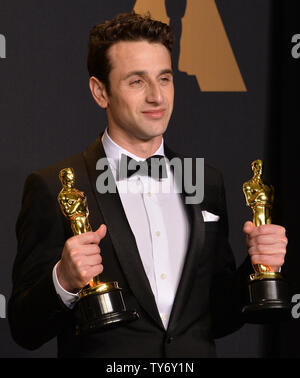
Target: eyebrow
[144, 73]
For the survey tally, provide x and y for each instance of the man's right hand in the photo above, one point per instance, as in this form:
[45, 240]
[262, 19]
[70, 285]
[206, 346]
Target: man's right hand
[80, 260]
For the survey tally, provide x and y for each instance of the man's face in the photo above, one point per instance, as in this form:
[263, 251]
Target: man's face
[140, 101]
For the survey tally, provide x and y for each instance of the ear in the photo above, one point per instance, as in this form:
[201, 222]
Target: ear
[99, 92]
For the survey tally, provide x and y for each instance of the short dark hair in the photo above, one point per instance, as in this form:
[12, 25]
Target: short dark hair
[123, 27]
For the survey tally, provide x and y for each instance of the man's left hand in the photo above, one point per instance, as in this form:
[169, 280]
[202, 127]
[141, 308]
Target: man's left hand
[266, 244]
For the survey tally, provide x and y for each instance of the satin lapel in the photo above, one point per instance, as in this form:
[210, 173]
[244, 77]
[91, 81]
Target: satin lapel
[119, 230]
[193, 255]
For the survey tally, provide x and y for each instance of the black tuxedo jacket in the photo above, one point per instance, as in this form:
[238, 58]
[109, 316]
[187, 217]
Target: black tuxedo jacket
[208, 301]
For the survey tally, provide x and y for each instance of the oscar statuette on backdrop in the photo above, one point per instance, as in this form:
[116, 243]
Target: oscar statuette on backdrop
[101, 304]
[269, 297]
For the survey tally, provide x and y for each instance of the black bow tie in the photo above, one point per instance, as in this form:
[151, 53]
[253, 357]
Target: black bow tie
[154, 166]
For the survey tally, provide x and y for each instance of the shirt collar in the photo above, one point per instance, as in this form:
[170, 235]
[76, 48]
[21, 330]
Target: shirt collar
[113, 151]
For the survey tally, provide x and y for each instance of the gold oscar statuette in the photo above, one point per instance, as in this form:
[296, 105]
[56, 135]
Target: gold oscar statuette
[268, 291]
[101, 304]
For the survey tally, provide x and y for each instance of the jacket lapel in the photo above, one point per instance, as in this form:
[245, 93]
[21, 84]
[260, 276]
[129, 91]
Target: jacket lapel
[124, 243]
[119, 230]
[197, 229]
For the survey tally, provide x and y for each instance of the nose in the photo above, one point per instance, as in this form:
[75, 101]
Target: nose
[154, 94]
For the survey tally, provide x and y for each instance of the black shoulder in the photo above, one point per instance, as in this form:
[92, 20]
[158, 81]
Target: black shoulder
[50, 174]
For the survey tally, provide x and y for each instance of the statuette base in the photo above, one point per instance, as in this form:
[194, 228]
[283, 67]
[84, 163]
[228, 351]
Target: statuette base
[101, 307]
[269, 301]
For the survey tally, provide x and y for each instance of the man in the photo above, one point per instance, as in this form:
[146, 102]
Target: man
[172, 260]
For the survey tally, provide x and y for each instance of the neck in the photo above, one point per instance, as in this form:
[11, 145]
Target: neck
[139, 147]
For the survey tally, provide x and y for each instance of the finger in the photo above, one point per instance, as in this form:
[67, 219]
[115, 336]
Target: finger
[267, 249]
[93, 260]
[267, 240]
[271, 260]
[101, 232]
[90, 249]
[87, 238]
[80, 260]
[268, 229]
[78, 256]
[248, 227]
[94, 271]
[87, 274]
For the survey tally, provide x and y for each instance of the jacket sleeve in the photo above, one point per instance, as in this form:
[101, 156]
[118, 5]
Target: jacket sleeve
[36, 313]
[229, 290]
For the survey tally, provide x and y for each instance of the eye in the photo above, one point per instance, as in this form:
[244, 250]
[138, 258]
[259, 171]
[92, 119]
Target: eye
[165, 79]
[136, 83]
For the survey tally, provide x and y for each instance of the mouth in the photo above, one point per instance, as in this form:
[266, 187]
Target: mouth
[155, 113]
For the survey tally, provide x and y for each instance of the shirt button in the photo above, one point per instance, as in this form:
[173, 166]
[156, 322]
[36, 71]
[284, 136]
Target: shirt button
[163, 276]
[157, 233]
[149, 194]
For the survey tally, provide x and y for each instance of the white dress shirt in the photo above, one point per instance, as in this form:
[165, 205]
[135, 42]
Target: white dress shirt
[158, 220]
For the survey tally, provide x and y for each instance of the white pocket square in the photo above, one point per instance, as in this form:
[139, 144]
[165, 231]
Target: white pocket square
[210, 217]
